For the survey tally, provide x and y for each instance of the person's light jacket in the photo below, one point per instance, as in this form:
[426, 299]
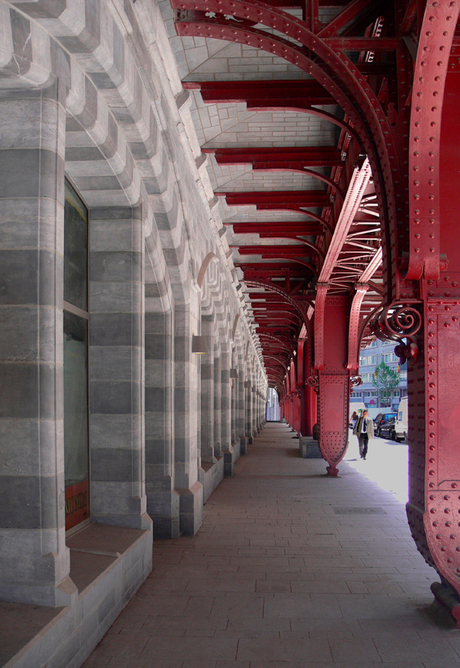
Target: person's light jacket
[358, 426]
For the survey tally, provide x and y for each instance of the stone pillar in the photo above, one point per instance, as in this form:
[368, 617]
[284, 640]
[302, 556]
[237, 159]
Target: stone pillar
[248, 393]
[234, 405]
[226, 415]
[34, 561]
[217, 404]
[240, 426]
[225, 402]
[116, 363]
[162, 499]
[186, 368]
[207, 395]
[254, 410]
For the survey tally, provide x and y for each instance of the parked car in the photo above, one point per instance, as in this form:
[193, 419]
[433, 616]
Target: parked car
[380, 419]
[401, 424]
[387, 428]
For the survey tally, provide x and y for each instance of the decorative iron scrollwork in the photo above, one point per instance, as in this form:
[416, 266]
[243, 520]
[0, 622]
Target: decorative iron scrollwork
[313, 381]
[397, 322]
[355, 381]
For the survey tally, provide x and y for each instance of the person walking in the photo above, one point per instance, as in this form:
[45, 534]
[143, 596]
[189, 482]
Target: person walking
[354, 419]
[364, 430]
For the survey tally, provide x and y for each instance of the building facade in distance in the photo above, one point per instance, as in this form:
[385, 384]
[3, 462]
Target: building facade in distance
[372, 355]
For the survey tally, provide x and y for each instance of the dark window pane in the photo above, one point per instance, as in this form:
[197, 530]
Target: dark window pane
[75, 250]
[75, 399]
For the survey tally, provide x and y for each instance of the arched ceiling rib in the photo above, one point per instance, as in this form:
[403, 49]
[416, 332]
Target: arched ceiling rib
[282, 155]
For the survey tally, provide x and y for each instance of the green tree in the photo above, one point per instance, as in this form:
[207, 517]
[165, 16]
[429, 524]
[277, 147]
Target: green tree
[385, 379]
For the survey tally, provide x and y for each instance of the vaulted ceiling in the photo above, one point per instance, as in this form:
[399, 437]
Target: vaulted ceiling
[295, 191]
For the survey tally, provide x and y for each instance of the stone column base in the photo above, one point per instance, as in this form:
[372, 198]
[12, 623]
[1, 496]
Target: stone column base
[191, 509]
[309, 448]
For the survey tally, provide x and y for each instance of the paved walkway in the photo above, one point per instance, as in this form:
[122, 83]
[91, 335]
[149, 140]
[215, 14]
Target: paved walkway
[291, 569]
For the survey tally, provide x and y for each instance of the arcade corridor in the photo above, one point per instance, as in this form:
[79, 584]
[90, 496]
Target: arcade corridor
[287, 571]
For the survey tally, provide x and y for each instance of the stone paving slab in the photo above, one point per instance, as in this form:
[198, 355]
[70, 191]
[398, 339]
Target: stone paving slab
[291, 569]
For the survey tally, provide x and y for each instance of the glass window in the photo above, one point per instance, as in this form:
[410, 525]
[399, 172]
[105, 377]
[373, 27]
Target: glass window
[76, 456]
[389, 357]
[75, 250]
[75, 399]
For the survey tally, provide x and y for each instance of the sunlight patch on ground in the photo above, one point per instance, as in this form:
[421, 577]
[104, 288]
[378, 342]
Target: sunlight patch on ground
[386, 464]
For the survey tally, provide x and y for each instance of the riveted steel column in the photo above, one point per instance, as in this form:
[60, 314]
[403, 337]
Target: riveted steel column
[433, 388]
[334, 382]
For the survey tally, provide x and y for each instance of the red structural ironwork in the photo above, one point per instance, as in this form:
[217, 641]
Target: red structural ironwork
[380, 260]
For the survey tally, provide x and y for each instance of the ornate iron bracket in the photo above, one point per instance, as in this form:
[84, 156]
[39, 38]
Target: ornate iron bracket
[313, 381]
[397, 322]
[355, 381]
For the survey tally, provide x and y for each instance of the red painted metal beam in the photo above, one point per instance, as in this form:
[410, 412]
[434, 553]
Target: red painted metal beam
[279, 229]
[288, 157]
[350, 44]
[282, 93]
[275, 251]
[289, 265]
[277, 198]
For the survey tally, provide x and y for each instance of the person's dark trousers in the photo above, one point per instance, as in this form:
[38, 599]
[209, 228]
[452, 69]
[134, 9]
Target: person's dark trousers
[363, 442]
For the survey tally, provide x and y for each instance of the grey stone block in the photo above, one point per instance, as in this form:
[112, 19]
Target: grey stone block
[115, 266]
[156, 290]
[18, 277]
[114, 297]
[229, 465]
[156, 346]
[28, 390]
[115, 329]
[191, 509]
[112, 363]
[111, 397]
[28, 502]
[113, 431]
[309, 448]
[29, 277]
[116, 464]
[117, 235]
[29, 172]
[155, 399]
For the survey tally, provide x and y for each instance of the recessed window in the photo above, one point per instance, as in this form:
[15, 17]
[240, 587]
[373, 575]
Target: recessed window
[76, 454]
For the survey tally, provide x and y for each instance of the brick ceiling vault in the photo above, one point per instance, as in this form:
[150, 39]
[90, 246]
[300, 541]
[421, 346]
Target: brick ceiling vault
[294, 185]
